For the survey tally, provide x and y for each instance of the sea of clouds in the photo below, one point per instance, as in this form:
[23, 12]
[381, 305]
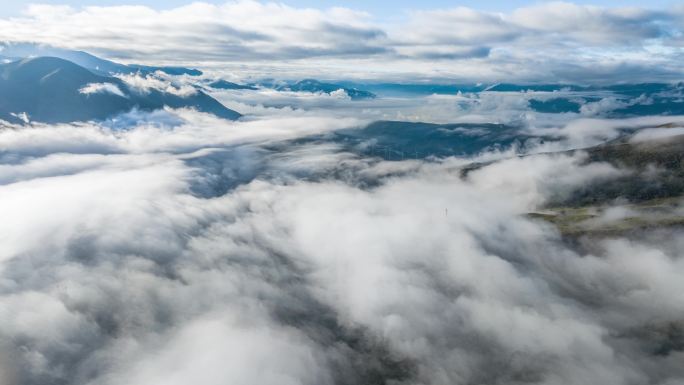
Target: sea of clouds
[174, 247]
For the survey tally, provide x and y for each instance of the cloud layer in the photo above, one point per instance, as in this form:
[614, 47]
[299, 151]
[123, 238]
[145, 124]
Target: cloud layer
[555, 40]
[172, 247]
[187, 248]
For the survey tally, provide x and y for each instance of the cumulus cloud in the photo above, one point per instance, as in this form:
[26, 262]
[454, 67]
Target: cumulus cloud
[340, 94]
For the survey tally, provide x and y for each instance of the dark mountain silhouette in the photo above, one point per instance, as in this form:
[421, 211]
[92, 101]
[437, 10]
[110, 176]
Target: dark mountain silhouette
[398, 140]
[226, 85]
[312, 85]
[53, 90]
[315, 86]
[18, 51]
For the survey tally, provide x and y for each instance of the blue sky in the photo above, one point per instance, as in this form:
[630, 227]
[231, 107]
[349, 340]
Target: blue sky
[379, 9]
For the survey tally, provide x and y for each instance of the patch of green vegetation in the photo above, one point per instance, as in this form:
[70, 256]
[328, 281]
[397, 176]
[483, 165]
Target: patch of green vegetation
[590, 221]
[654, 169]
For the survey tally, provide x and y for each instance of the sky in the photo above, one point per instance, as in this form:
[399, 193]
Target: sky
[379, 9]
[582, 41]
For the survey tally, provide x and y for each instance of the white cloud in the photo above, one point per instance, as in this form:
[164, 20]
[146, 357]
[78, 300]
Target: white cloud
[143, 84]
[657, 134]
[593, 24]
[240, 29]
[553, 41]
[459, 25]
[173, 246]
[209, 250]
[340, 94]
[229, 348]
[23, 116]
[102, 88]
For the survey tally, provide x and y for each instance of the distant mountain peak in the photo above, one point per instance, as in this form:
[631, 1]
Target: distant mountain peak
[314, 85]
[16, 51]
[55, 90]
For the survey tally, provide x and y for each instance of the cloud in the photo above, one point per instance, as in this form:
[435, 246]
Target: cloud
[601, 26]
[657, 134]
[174, 246]
[459, 25]
[237, 348]
[446, 52]
[548, 23]
[533, 43]
[340, 94]
[204, 249]
[240, 30]
[102, 88]
[158, 81]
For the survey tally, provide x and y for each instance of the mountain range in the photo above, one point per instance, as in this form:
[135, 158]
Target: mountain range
[54, 90]
[316, 86]
[17, 51]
